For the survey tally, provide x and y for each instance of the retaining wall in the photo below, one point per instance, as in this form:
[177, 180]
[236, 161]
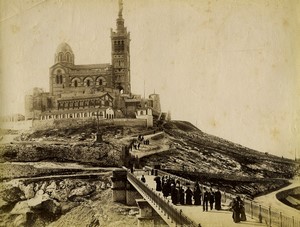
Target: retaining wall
[62, 123]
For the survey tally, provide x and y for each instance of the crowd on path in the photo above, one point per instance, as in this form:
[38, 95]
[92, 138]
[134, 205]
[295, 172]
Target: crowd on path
[136, 143]
[182, 194]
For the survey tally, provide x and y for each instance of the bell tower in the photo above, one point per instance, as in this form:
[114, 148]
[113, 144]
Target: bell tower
[120, 54]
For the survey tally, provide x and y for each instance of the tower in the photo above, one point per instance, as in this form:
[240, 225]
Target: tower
[120, 54]
[59, 73]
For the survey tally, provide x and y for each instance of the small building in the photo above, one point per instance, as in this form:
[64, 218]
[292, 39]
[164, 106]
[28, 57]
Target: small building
[145, 113]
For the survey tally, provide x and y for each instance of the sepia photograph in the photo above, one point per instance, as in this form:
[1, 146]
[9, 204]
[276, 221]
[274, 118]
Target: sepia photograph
[149, 113]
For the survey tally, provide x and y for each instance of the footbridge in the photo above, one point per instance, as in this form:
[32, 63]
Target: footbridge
[156, 210]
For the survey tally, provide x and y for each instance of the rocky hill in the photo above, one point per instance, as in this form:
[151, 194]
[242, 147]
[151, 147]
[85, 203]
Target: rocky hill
[178, 146]
[221, 163]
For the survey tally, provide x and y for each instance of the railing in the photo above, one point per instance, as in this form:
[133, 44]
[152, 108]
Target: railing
[253, 210]
[164, 206]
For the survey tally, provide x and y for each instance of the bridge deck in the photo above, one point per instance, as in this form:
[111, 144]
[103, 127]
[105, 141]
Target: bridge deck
[212, 218]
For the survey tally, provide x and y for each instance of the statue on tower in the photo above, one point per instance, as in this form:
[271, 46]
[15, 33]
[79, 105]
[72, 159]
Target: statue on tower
[120, 8]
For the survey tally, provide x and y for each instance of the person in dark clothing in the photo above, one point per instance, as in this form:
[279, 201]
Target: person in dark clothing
[174, 194]
[188, 196]
[235, 210]
[205, 200]
[197, 195]
[211, 199]
[143, 179]
[218, 199]
[158, 183]
[241, 207]
[181, 195]
[166, 189]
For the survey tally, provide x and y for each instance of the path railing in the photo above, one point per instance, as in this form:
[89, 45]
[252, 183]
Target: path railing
[254, 210]
[160, 204]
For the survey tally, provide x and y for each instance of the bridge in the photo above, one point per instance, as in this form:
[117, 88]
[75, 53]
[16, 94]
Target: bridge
[156, 210]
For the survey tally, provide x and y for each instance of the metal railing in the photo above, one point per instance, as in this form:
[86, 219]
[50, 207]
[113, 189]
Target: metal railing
[161, 204]
[253, 210]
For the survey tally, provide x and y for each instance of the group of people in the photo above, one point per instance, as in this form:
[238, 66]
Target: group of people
[136, 143]
[184, 195]
[238, 210]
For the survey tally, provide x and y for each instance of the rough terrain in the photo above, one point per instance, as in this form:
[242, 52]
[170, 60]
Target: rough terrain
[177, 146]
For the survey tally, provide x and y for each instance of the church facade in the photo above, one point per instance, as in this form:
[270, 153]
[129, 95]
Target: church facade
[83, 91]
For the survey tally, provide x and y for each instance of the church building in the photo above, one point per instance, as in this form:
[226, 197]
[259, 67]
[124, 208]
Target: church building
[83, 91]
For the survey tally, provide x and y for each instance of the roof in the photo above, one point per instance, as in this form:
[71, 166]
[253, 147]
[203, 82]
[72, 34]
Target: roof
[64, 47]
[92, 66]
[105, 66]
[132, 100]
[86, 96]
[74, 111]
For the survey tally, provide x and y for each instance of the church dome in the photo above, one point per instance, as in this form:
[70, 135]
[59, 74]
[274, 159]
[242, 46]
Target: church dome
[64, 54]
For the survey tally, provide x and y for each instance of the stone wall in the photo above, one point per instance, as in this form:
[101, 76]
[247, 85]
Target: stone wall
[16, 125]
[72, 122]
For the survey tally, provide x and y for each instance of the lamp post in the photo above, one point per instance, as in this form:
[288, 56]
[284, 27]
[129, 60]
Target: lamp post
[98, 138]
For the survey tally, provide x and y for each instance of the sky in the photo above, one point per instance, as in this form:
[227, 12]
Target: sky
[230, 67]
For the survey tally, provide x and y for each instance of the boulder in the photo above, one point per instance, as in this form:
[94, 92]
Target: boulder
[39, 193]
[103, 186]
[12, 195]
[44, 186]
[36, 187]
[60, 195]
[20, 220]
[3, 203]
[67, 206]
[133, 212]
[28, 191]
[51, 187]
[21, 208]
[82, 191]
[51, 206]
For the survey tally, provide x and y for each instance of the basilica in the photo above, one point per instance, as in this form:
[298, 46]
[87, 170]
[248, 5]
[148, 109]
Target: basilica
[83, 91]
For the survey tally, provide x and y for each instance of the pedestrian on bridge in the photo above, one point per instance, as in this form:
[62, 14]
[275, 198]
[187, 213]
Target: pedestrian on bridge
[158, 183]
[188, 196]
[143, 179]
[174, 194]
[211, 198]
[181, 195]
[197, 194]
[218, 197]
[205, 200]
[235, 210]
[166, 189]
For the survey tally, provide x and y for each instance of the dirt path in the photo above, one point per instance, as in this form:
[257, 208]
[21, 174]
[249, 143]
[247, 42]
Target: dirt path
[271, 200]
[155, 146]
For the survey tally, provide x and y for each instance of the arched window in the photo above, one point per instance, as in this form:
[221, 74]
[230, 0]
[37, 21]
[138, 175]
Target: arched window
[60, 79]
[75, 83]
[60, 56]
[88, 83]
[100, 81]
[57, 79]
[68, 57]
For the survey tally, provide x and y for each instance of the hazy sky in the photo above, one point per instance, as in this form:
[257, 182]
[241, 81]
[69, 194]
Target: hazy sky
[230, 66]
